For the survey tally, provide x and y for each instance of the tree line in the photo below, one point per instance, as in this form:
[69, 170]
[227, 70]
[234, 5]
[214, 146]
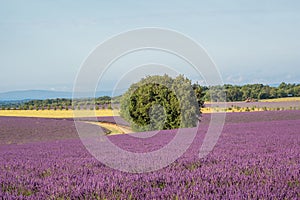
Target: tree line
[228, 92]
[248, 92]
[103, 102]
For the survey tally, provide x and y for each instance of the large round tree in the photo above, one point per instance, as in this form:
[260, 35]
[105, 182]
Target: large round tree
[161, 102]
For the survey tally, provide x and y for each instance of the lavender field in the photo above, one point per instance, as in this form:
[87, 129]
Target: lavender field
[256, 157]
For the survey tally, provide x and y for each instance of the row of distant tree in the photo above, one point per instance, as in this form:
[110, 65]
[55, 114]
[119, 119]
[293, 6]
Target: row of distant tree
[227, 92]
[63, 104]
[250, 91]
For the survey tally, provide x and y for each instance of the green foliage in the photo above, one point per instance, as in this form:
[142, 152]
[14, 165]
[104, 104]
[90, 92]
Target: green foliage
[249, 91]
[160, 102]
[200, 93]
[104, 99]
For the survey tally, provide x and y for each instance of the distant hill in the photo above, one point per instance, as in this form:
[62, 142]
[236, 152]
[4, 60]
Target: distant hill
[45, 94]
[33, 94]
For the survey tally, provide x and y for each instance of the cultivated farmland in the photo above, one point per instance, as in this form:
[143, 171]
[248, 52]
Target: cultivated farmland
[257, 156]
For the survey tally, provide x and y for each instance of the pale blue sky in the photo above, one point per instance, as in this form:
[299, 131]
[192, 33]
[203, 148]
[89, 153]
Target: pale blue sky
[43, 43]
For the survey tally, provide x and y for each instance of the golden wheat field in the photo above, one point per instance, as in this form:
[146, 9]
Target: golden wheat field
[56, 113]
[82, 113]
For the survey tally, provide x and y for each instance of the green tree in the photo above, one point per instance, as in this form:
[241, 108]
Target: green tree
[160, 102]
[200, 94]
